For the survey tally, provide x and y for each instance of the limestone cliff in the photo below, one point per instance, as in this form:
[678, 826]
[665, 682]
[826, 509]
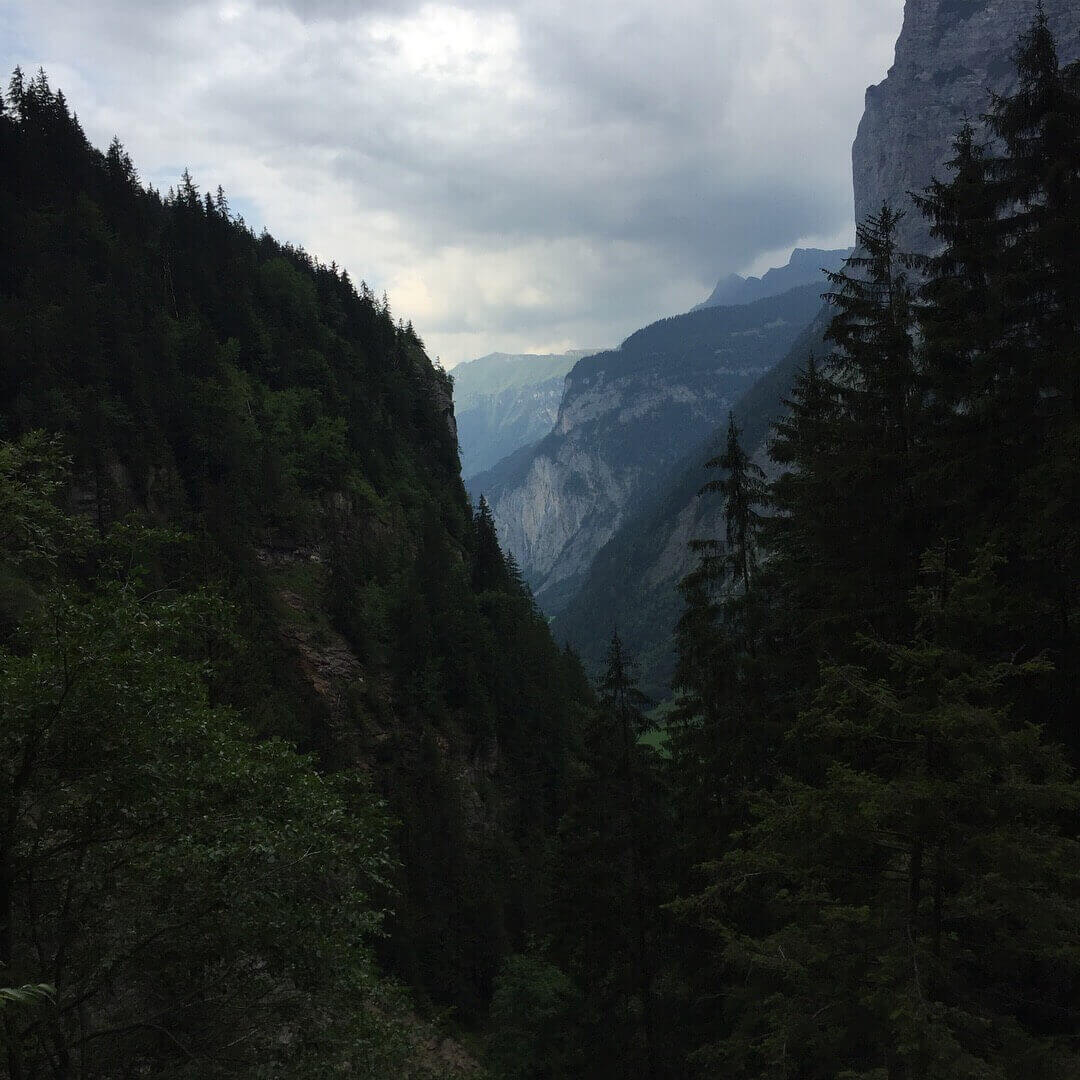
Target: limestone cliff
[505, 401]
[950, 56]
[626, 416]
[632, 582]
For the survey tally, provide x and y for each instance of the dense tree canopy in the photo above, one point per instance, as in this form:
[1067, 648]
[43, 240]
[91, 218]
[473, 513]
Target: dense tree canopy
[229, 388]
[892, 890]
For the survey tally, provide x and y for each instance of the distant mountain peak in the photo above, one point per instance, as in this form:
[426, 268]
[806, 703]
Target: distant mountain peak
[805, 266]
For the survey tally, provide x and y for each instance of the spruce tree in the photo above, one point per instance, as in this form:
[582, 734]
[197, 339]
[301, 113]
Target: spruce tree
[892, 893]
[743, 489]
[963, 352]
[16, 91]
[806, 503]
[914, 874]
[724, 715]
[1031, 393]
[489, 566]
[1037, 182]
[872, 541]
[606, 902]
[960, 309]
[716, 724]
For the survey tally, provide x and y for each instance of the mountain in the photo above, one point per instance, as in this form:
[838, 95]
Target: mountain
[626, 416]
[950, 56]
[265, 674]
[632, 583]
[505, 401]
[805, 268]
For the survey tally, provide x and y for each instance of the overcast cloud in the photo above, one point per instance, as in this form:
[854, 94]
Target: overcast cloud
[517, 176]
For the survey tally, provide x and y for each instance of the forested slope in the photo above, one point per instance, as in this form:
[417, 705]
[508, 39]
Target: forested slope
[274, 440]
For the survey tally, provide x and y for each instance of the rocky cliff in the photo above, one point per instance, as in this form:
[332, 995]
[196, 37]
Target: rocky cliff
[632, 583]
[505, 401]
[950, 56]
[626, 417]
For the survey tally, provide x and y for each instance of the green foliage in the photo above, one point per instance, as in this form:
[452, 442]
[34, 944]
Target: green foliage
[532, 1014]
[939, 873]
[26, 995]
[603, 916]
[743, 492]
[203, 901]
[857, 857]
[212, 381]
[877, 817]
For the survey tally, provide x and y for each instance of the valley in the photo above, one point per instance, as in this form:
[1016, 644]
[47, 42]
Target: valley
[701, 706]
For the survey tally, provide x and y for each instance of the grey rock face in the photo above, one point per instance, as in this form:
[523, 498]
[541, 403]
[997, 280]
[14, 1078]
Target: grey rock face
[632, 582]
[626, 416]
[581, 481]
[505, 401]
[495, 425]
[443, 397]
[950, 55]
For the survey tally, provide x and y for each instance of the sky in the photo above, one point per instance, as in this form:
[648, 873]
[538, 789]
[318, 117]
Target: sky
[518, 177]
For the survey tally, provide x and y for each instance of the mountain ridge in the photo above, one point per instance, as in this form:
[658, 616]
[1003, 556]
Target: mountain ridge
[504, 401]
[245, 422]
[904, 137]
[626, 415]
[805, 266]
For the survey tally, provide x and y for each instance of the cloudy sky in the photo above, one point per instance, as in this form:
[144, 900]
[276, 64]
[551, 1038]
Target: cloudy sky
[517, 176]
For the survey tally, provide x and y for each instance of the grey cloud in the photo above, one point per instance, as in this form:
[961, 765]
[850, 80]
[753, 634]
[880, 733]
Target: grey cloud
[600, 158]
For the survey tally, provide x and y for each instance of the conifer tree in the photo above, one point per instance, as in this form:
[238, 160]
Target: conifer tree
[913, 874]
[960, 310]
[724, 713]
[1038, 187]
[806, 504]
[715, 730]
[16, 90]
[226, 383]
[905, 741]
[606, 886]
[870, 550]
[1018, 442]
[489, 566]
[743, 489]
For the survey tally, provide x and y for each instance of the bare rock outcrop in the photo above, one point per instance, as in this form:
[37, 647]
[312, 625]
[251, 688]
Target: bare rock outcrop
[949, 57]
[626, 416]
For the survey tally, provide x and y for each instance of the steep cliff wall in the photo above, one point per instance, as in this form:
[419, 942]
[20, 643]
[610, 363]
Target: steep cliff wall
[626, 416]
[632, 583]
[950, 56]
[505, 401]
